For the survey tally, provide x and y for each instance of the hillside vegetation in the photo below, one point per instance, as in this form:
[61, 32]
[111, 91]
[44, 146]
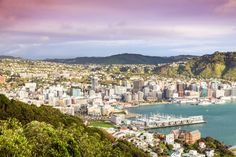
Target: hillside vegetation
[218, 65]
[123, 59]
[27, 130]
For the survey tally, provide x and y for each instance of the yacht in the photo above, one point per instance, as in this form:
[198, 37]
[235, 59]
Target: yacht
[204, 103]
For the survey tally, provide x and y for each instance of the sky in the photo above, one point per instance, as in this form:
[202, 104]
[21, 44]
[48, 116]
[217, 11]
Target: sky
[39, 29]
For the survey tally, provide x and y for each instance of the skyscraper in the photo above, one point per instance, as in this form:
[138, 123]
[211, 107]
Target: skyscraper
[75, 90]
[94, 83]
[180, 89]
[138, 85]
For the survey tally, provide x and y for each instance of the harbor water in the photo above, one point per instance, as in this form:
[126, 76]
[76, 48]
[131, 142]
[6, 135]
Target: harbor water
[220, 118]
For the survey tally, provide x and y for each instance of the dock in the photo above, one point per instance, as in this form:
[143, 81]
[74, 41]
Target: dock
[163, 121]
[132, 115]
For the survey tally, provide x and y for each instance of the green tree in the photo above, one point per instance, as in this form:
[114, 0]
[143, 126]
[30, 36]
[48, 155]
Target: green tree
[12, 140]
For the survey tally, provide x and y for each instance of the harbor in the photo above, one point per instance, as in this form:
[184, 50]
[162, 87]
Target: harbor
[164, 120]
[219, 126]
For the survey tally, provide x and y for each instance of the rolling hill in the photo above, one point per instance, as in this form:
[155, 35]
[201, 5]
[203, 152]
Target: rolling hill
[123, 59]
[217, 65]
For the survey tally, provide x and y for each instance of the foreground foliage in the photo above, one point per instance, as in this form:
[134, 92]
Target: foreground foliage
[26, 130]
[211, 144]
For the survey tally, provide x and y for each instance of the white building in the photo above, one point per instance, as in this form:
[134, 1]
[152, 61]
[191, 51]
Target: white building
[117, 118]
[170, 139]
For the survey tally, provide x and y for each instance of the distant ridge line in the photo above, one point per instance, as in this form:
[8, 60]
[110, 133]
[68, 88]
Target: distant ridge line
[125, 58]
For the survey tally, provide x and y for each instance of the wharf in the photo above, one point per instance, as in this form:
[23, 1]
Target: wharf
[163, 121]
[132, 115]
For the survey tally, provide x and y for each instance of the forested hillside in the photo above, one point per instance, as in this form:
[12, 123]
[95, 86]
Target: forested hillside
[124, 58]
[27, 130]
[217, 65]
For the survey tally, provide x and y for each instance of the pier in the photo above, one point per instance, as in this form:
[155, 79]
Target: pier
[162, 121]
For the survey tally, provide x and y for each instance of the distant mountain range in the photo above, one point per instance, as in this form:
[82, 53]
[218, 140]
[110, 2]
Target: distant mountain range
[217, 65]
[7, 57]
[123, 59]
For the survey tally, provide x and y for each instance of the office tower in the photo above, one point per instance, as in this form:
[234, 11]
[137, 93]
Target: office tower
[138, 85]
[180, 89]
[75, 90]
[94, 83]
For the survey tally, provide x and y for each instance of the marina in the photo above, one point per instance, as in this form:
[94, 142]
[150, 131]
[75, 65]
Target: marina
[163, 121]
[201, 102]
[220, 119]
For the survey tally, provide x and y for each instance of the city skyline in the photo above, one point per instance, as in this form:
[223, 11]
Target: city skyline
[66, 29]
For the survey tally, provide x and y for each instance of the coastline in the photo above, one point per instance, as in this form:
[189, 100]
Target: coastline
[146, 104]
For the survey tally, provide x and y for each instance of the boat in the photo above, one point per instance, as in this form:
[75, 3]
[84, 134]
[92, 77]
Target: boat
[204, 103]
[220, 102]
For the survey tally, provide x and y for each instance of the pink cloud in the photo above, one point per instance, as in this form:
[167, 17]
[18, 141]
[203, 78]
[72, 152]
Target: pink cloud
[229, 7]
[108, 19]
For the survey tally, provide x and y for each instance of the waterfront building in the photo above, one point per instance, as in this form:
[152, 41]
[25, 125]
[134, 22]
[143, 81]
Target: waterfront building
[204, 92]
[218, 93]
[227, 92]
[215, 85]
[135, 97]
[140, 96]
[209, 93]
[192, 94]
[192, 136]
[180, 89]
[233, 91]
[159, 95]
[189, 137]
[146, 91]
[128, 97]
[194, 87]
[168, 93]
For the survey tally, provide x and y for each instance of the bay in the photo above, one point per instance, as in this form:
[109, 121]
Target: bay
[221, 119]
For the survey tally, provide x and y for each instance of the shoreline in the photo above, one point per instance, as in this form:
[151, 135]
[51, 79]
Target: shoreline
[146, 104]
[133, 105]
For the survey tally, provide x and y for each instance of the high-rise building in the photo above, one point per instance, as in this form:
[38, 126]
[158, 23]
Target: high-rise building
[128, 97]
[233, 91]
[75, 90]
[219, 93]
[94, 83]
[135, 97]
[227, 92]
[138, 85]
[140, 96]
[168, 93]
[180, 89]
[209, 93]
[146, 91]
[204, 92]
